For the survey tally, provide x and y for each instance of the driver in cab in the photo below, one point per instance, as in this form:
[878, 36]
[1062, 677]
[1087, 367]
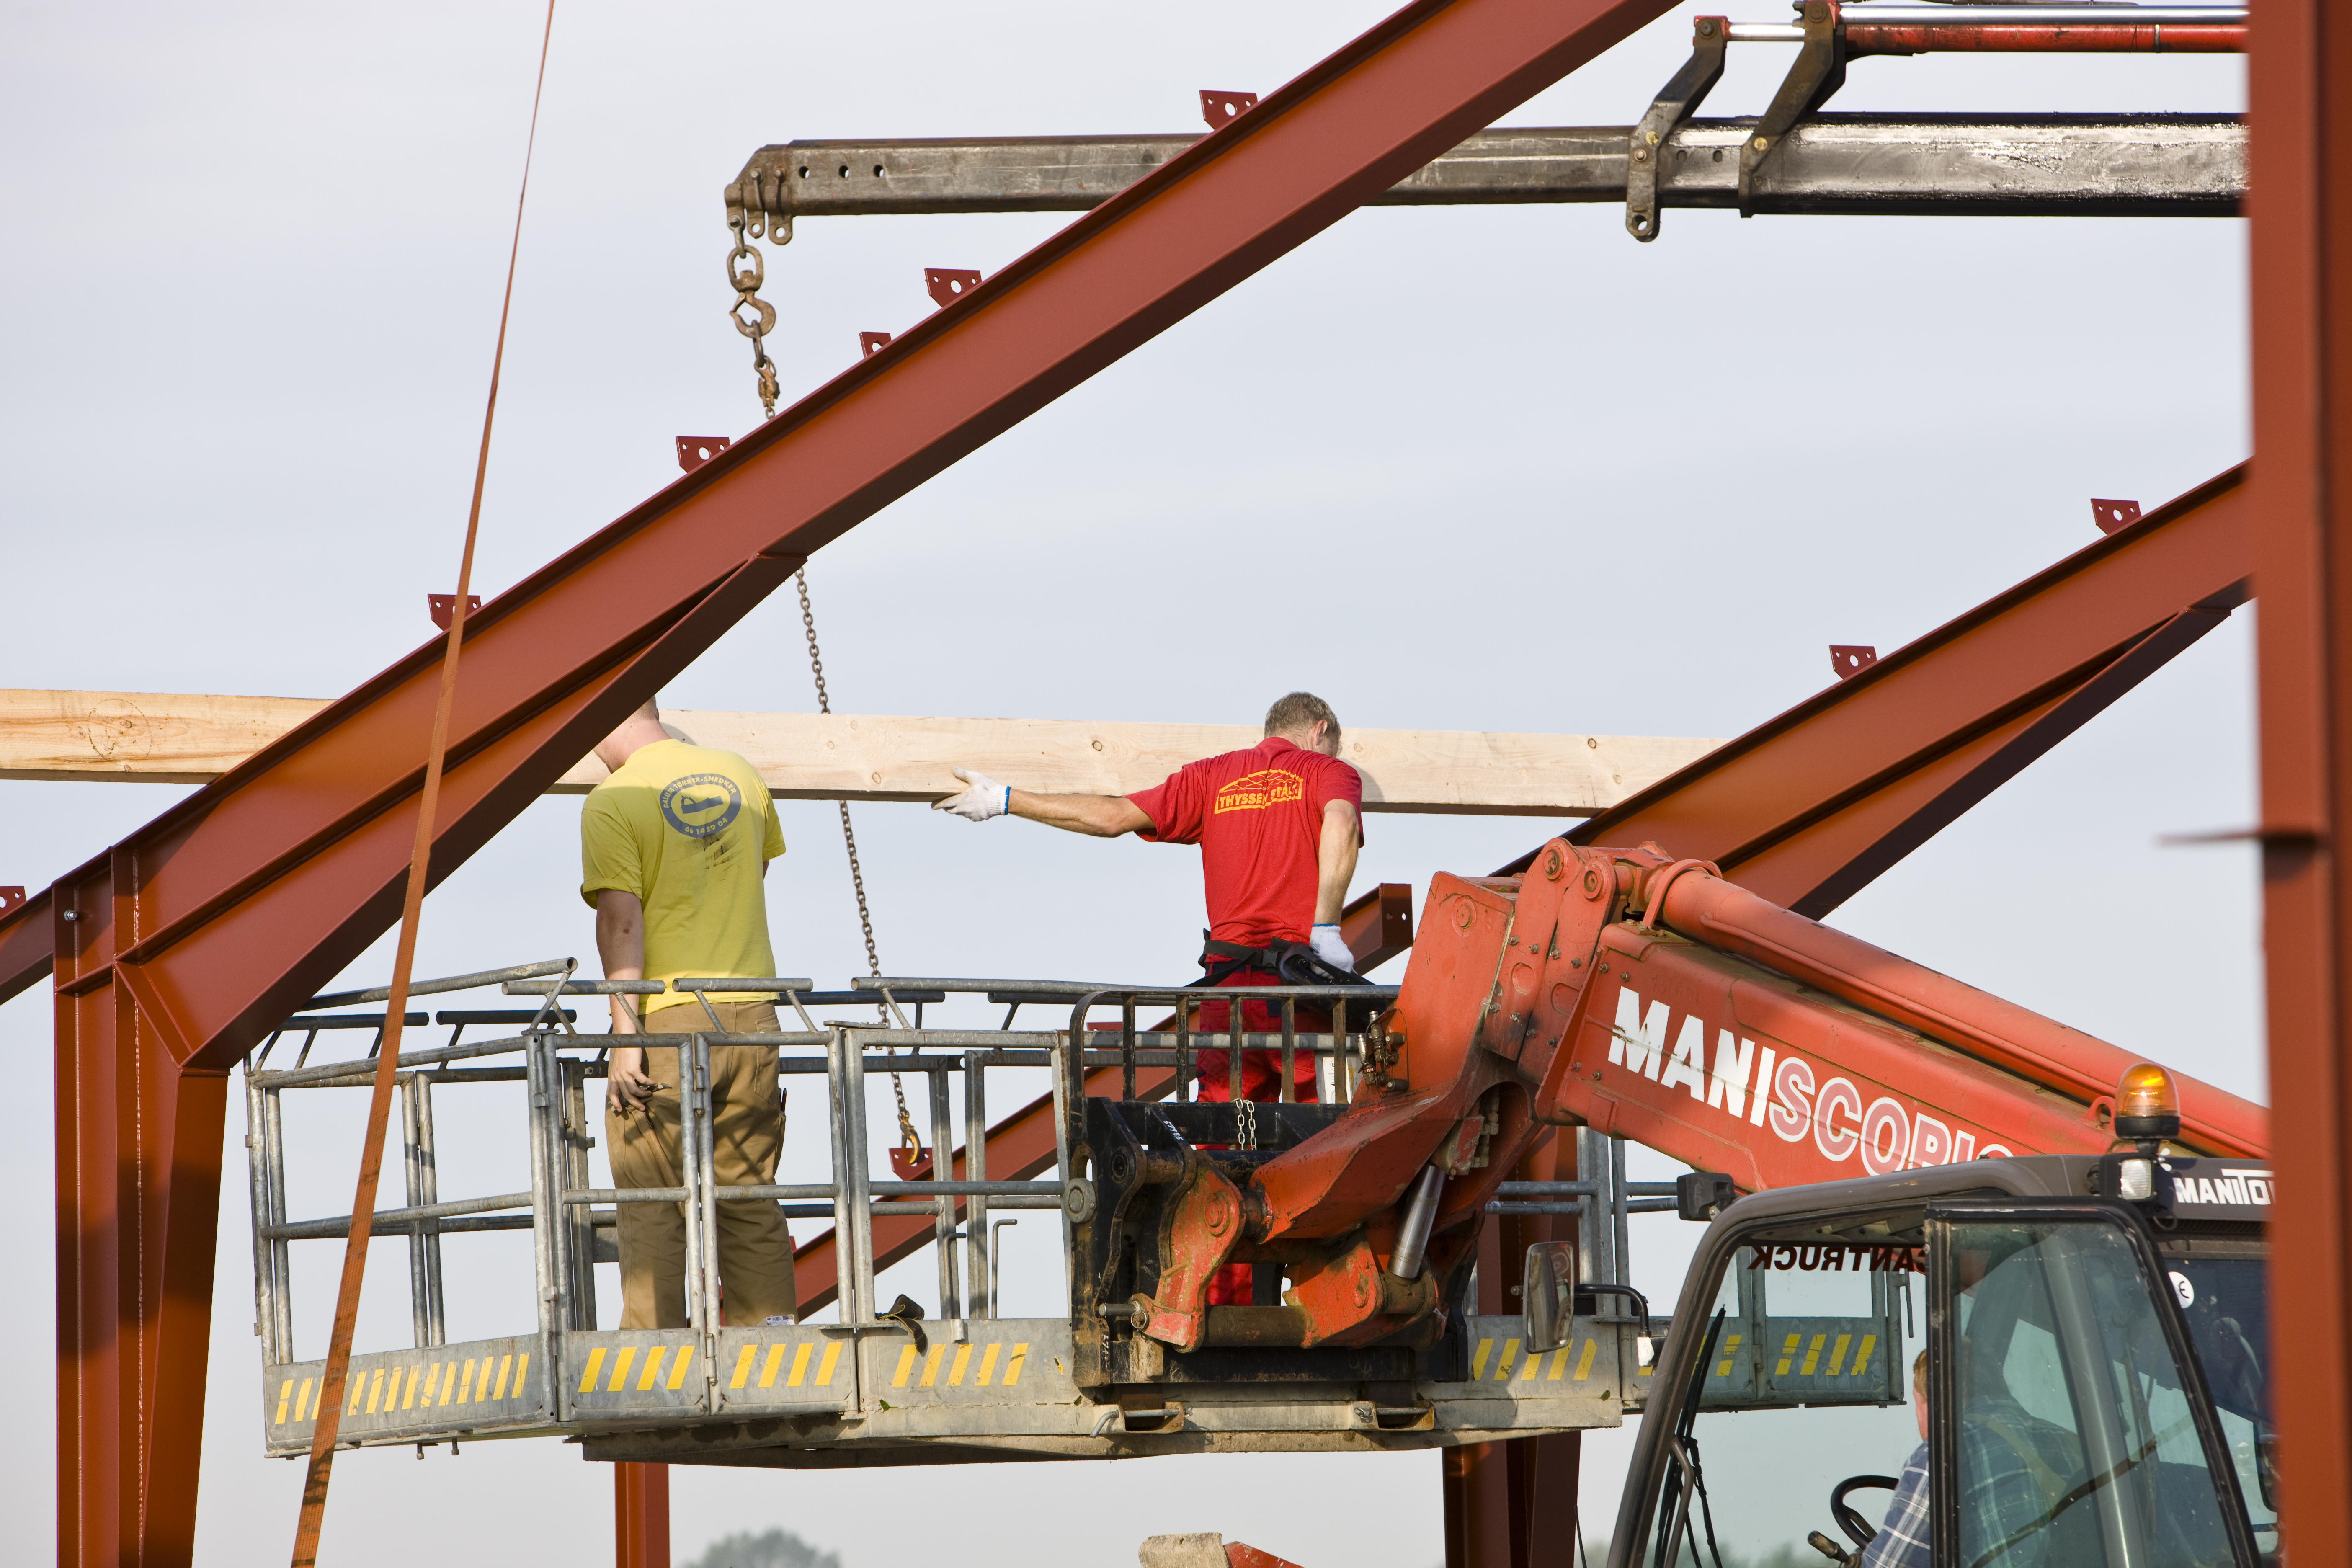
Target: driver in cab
[1902, 1540]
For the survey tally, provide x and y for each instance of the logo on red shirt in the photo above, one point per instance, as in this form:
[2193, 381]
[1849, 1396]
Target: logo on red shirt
[1257, 791]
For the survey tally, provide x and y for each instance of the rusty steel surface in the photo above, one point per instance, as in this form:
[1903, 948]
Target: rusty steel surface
[2302, 521]
[200, 931]
[1810, 808]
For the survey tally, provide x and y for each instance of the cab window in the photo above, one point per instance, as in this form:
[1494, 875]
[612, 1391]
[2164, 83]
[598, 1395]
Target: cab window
[2071, 1437]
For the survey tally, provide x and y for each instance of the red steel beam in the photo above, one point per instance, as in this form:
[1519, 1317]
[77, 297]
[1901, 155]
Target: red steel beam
[2301, 286]
[1809, 808]
[203, 928]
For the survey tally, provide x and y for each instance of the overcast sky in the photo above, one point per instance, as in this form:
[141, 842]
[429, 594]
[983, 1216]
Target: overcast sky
[1455, 468]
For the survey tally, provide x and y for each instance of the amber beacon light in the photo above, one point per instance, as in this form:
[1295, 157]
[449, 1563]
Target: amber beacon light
[2146, 1103]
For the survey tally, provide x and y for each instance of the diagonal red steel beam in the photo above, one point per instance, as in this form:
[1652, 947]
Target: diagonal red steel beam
[176, 952]
[2300, 284]
[292, 841]
[1811, 806]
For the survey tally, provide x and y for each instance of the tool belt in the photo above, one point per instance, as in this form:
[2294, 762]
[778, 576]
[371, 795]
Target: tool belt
[1291, 963]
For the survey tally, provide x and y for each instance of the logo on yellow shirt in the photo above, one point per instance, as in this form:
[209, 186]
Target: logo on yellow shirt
[1269, 786]
[701, 805]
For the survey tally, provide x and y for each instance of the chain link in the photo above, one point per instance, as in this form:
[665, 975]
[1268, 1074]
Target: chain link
[907, 1137]
[1248, 1111]
[746, 280]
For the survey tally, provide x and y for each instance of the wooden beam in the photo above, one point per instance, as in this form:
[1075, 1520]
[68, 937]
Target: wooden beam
[172, 738]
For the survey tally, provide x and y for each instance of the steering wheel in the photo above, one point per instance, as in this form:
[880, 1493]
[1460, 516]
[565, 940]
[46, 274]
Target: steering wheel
[1858, 1530]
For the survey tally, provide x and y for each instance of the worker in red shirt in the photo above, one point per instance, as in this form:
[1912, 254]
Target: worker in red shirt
[1279, 826]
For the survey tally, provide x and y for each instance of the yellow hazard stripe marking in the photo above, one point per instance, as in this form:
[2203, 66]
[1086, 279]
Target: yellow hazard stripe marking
[1012, 1363]
[652, 1374]
[285, 1391]
[955, 1371]
[1510, 1354]
[301, 1397]
[588, 1378]
[1731, 1349]
[987, 1365]
[776, 1358]
[906, 1365]
[408, 1400]
[1478, 1360]
[800, 1364]
[1813, 1354]
[375, 1390]
[503, 1361]
[931, 1365]
[1788, 1354]
[825, 1368]
[466, 1389]
[522, 1364]
[744, 1366]
[1837, 1353]
[1584, 1361]
[1559, 1365]
[621, 1368]
[1862, 1356]
[678, 1370]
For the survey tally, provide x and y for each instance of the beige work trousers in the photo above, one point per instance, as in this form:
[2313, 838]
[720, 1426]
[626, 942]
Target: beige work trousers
[755, 1250]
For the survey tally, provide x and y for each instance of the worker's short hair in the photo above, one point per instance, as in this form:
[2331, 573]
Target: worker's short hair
[1292, 714]
[1919, 1372]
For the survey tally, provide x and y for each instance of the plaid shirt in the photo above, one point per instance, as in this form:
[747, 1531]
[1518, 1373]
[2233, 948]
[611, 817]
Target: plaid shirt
[1902, 1540]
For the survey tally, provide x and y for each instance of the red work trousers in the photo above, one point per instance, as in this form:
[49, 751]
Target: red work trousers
[1261, 1081]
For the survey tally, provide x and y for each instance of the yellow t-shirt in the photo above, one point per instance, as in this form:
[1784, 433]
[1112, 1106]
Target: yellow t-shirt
[690, 830]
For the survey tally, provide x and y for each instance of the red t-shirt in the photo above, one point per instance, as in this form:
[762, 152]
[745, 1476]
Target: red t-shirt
[1257, 817]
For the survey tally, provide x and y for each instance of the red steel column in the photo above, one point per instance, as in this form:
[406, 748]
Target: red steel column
[1513, 1504]
[2302, 301]
[640, 1516]
[138, 1171]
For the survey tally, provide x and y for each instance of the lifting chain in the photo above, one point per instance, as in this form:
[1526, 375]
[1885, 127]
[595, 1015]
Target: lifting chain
[907, 1137]
[746, 280]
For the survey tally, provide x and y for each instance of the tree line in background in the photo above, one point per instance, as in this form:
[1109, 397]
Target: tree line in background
[769, 1549]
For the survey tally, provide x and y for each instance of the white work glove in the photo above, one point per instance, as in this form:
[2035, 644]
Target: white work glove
[986, 798]
[1324, 941]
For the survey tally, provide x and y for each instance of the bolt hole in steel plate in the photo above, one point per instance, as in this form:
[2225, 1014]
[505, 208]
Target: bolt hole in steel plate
[1852, 659]
[693, 451]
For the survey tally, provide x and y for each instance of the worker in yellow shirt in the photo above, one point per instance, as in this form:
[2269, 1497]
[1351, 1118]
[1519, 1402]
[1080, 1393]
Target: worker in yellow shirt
[674, 850]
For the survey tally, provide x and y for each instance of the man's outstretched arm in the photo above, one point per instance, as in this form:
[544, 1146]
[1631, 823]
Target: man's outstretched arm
[1096, 816]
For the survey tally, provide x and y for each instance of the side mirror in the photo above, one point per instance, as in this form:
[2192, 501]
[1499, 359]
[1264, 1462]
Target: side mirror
[1703, 1195]
[1547, 1289]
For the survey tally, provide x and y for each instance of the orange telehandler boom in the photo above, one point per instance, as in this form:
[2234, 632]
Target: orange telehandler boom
[1643, 996]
